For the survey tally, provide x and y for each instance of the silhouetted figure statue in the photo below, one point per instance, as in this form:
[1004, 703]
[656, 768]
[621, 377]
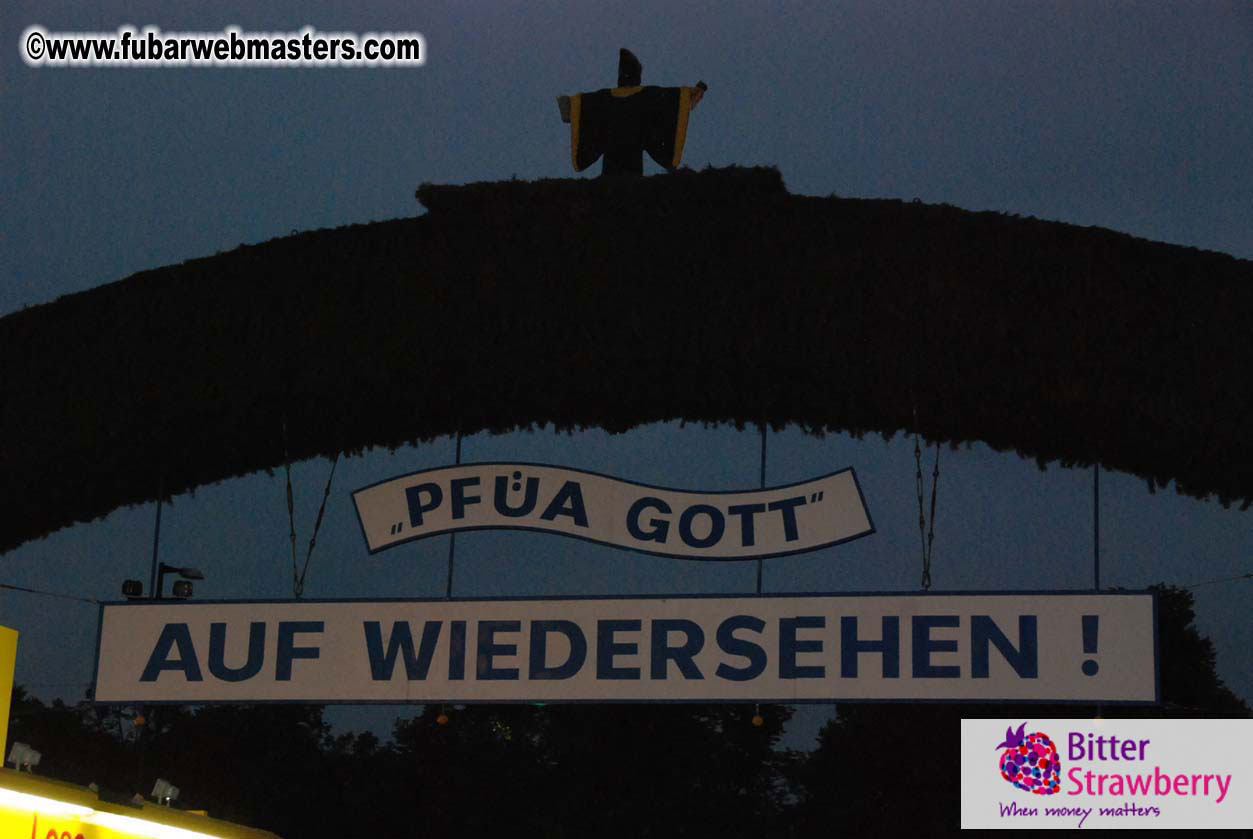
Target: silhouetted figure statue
[628, 120]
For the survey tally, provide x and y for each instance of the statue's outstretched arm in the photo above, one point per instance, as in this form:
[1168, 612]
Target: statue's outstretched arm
[698, 93]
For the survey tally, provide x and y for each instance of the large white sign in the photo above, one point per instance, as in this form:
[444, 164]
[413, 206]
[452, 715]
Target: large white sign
[694, 525]
[1021, 647]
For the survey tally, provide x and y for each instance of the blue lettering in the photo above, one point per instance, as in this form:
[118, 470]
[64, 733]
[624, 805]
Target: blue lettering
[539, 668]
[459, 498]
[502, 497]
[742, 647]
[456, 651]
[889, 646]
[287, 649]
[787, 509]
[660, 527]
[217, 653]
[174, 635]
[789, 646]
[570, 494]
[607, 648]
[400, 644]
[417, 506]
[682, 655]
[488, 649]
[748, 535]
[716, 526]
[1024, 659]
[925, 645]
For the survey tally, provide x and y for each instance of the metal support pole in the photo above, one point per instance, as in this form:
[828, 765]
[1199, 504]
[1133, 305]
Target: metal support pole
[156, 538]
[452, 537]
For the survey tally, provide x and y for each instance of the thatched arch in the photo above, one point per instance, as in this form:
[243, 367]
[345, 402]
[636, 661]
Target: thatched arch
[712, 296]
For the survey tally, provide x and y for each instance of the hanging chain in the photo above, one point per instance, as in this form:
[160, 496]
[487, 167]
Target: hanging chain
[763, 486]
[317, 524]
[452, 539]
[298, 574]
[925, 532]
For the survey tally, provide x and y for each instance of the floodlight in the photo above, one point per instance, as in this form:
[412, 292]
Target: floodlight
[185, 573]
[182, 589]
[23, 755]
[132, 589]
[164, 792]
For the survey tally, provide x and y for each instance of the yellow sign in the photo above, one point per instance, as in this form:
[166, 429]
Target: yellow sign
[45, 809]
[8, 660]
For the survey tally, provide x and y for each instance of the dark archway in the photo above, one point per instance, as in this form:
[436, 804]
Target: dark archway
[712, 296]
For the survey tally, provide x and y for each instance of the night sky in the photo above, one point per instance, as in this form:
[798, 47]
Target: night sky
[1136, 118]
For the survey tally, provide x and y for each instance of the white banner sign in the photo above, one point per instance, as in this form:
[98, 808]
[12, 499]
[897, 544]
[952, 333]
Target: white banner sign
[967, 647]
[670, 522]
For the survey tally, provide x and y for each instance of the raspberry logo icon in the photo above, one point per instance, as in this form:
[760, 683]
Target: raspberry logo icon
[1030, 762]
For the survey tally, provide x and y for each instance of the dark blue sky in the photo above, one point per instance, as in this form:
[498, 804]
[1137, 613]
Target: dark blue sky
[1138, 118]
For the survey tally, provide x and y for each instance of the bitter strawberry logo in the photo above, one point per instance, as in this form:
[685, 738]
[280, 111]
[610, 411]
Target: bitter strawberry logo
[1030, 761]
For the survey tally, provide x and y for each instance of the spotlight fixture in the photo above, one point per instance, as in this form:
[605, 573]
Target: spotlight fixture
[182, 589]
[132, 589]
[164, 792]
[22, 755]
